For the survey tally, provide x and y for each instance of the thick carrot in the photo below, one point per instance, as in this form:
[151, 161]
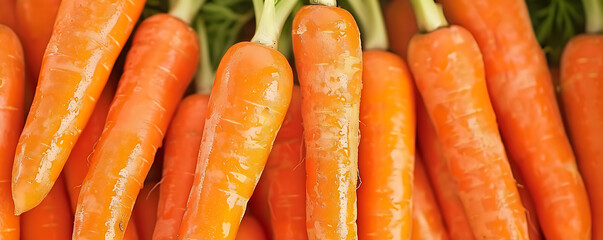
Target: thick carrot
[247, 105]
[145, 210]
[87, 38]
[524, 101]
[401, 25]
[251, 229]
[12, 73]
[287, 190]
[386, 153]
[181, 150]
[442, 181]
[159, 66]
[7, 14]
[449, 73]
[534, 230]
[328, 56]
[582, 96]
[426, 219]
[52, 219]
[36, 20]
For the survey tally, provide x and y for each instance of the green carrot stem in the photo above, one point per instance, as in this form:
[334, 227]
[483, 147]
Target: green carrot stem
[205, 72]
[370, 18]
[593, 9]
[429, 15]
[330, 3]
[271, 21]
[186, 9]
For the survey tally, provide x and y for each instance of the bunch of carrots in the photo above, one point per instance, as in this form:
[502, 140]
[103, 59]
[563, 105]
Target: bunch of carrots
[324, 120]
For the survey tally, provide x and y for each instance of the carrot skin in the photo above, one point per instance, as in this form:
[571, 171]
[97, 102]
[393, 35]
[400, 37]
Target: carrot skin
[7, 14]
[524, 101]
[387, 148]
[12, 73]
[401, 25]
[247, 105]
[443, 183]
[287, 189]
[449, 73]
[181, 151]
[52, 219]
[251, 229]
[426, 219]
[145, 210]
[328, 56]
[534, 229]
[582, 94]
[87, 38]
[159, 66]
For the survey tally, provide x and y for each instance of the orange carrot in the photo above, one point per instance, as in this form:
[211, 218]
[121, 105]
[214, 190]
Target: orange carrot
[401, 25]
[145, 210]
[426, 219]
[444, 185]
[526, 199]
[386, 148]
[249, 98]
[52, 219]
[582, 96]
[87, 38]
[36, 20]
[258, 203]
[12, 73]
[328, 56]
[524, 101]
[181, 150]
[251, 229]
[449, 73]
[287, 190]
[7, 14]
[159, 66]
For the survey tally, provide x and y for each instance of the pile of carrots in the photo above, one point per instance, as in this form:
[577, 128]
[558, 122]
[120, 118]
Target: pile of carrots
[358, 119]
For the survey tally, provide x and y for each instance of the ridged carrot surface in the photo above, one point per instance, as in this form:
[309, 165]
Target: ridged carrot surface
[582, 94]
[401, 25]
[247, 105]
[328, 56]
[449, 73]
[12, 73]
[159, 66]
[52, 219]
[387, 148]
[87, 38]
[426, 218]
[523, 97]
[180, 159]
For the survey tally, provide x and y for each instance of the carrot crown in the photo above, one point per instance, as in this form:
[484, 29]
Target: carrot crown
[429, 15]
[593, 9]
[330, 3]
[368, 13]
[270, 20]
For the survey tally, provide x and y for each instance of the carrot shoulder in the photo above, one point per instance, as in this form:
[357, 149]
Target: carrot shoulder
[159, 66]
[12, 73]
[87, 38]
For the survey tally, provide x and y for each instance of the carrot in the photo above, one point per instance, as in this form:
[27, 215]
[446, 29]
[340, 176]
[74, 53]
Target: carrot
[534, 230]
[449, 73]
[7, 14]
[145, 210]
[52, 219]
[249, 98]
[251, 229]
[159, 66]
[287, 190]
[328, 57]
[11, 112]
[258, 203]
[582, 96]
[426, 219]
[524, 102]
[181, 149]
[401, 25]
[443, 183]
[86, 40]
[36, 20]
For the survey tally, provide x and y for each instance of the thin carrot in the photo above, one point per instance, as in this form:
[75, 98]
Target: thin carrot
[401, 25]
[145, 210]
[7, 14]
[444, 185]
[449, 73]
[159, 66]
[52, 219]
[524, 102]
[287, 190]
[328, 56]
[181, 150]
[249, 98]
[258, 203]
[534, 230]
[12, 73]
[87, 38]
[36, 20]
[251, 229]
[582, 96]
[426, 219]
